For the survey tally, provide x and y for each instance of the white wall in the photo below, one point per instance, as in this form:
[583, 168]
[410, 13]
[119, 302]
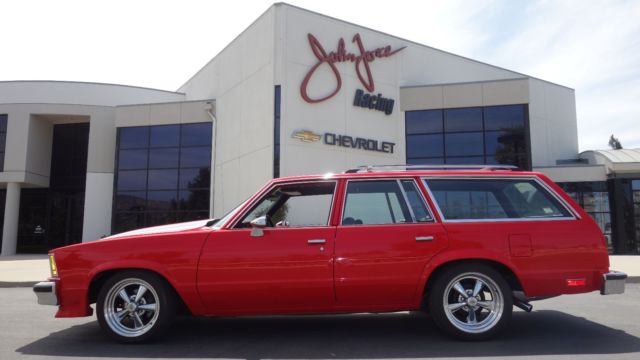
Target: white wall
[241, 80]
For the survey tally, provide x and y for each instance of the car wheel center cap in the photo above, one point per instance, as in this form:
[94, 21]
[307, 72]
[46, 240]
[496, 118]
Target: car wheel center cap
[472, 301]
[131, 307]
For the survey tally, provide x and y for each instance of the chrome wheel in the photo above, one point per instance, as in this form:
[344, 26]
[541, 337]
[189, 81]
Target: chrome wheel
[131, 307]
[473, 302]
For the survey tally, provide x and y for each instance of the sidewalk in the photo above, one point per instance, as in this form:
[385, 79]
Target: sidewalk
[26, 270]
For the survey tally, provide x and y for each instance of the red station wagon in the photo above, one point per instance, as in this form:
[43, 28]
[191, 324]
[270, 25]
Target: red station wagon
[464, 243]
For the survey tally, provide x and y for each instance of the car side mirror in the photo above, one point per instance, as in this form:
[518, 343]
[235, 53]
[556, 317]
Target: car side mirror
[257, 226]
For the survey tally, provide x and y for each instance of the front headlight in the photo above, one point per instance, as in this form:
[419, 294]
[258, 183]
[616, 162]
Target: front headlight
[52, 265]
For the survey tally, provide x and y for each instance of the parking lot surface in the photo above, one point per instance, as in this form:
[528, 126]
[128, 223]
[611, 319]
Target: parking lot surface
[586, 326]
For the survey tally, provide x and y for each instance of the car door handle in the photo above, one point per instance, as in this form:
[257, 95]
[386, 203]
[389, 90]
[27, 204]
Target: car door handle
[316, 241]
[424, 238]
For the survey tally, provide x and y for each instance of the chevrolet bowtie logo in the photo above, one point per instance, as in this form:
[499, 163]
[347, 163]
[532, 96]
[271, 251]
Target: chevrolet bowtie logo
[306, 136]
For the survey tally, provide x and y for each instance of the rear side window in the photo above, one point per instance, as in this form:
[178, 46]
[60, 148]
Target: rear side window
[477, 199]
[383, 202]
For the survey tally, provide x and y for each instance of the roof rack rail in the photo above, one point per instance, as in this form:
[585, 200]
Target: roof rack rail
[372, 168]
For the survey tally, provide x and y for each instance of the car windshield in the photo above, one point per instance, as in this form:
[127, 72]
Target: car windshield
[220, 222]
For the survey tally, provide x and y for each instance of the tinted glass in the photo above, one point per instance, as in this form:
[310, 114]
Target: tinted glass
[163, 179]
[133, 137]
[195, 178]
[509, 141]
[165, 136]
[160, 218]
[132, 180]
[426, 161]
[494, 199]
[503, 117]
[464, 144]
[375, 202]
[307, 204]
[416, 202]
[162, 200]
[194, 200]
[131, 200]
[132, 159]
[423, 121]
[195, 157]
[163, 158]
[424, 146]
[465, 119]
[3, 123]
[466, 160]
[196, 134]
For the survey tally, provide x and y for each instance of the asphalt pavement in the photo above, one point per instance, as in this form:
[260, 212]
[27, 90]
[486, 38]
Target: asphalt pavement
[588, 326]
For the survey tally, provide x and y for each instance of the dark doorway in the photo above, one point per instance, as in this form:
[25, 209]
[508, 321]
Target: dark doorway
[53, 217]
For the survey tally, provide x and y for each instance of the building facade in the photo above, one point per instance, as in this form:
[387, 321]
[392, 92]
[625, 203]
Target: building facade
[295, 93]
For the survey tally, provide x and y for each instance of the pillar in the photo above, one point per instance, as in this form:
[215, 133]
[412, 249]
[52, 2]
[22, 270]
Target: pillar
[11, 213]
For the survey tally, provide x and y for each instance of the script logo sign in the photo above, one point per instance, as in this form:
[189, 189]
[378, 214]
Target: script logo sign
[361, 62]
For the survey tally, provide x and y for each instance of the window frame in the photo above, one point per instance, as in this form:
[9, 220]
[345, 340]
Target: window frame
[398, 181]
[232, 224]
[574, 214]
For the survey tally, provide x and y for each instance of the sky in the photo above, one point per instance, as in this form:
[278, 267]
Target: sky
[592, 46]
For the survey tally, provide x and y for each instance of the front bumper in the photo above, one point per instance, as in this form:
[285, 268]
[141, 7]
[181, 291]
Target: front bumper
[46, 293]
[613, 283]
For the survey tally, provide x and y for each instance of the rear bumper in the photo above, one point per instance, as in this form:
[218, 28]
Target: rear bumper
[46, 293]
[613, 283]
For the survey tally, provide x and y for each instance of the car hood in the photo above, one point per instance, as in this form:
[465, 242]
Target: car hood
[162, 229]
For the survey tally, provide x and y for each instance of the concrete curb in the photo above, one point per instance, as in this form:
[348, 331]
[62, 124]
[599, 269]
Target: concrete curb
[9, 284]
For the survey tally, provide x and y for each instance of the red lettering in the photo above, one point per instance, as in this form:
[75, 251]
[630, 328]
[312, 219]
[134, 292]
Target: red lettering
[361, 60]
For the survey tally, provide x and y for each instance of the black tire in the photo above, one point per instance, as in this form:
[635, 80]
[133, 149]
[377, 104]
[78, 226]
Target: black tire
[139, 322]
[491, 308]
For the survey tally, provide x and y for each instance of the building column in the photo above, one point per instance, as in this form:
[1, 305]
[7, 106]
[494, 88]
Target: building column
[11, 213]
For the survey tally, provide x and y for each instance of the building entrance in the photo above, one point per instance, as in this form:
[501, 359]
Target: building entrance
[53, 217]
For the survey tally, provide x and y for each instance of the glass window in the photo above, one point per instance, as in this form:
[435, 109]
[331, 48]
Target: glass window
[162, 175]
[375, 202]
[294, 205]
[464, 144]
[132, 159]
[424, 146]
[195, 157]
[163, 179]
[423, 121]
[132, 180]
[494, 199]
[165, 136]
[3, 140]
[133, 137]
[504, 117]
[481, 135]
[163, 158]
[197, 134]
[276, 132]
[195, 178]
[465, 119]
[416, 202]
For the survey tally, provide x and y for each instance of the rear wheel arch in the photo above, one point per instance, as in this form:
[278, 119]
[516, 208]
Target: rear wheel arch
[507, 273]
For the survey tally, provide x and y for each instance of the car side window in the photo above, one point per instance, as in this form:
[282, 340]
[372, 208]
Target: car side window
[477, 199]
[294, 205]
[382, 202]
[416, 201]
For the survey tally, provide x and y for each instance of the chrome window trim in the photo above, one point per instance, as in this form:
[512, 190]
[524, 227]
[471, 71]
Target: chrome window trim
[562, 202]
[232, 226]
[397, 179]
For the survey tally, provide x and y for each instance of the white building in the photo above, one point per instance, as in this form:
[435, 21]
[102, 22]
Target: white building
[295, 93]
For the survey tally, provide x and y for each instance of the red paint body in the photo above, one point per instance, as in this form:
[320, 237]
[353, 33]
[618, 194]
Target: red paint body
[364, 268]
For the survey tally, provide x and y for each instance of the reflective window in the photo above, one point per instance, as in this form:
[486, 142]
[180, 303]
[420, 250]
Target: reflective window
[479, 135]
[424, 121]
[3, 139]
[381, 202]
[276, 132]
[465, 119]
[593, 196]
[462, 199]
[416, 202]
[162, 175]
[294, 205]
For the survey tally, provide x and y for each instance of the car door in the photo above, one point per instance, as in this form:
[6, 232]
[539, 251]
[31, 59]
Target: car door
[286, 268]
[386, 236]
